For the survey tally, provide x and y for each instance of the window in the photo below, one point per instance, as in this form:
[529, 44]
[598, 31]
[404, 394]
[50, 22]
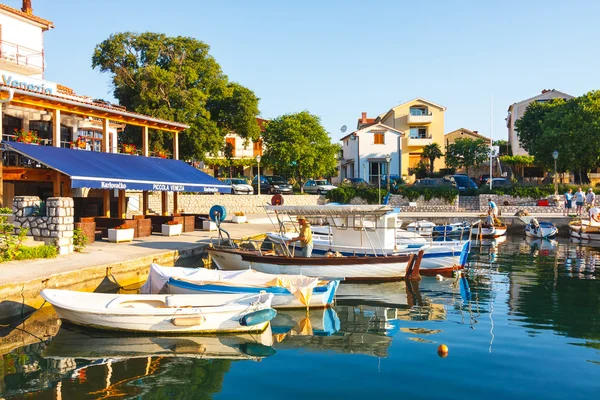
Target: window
[231, 142]
[377, 170]
[419, 110]
[257, 148]
[9, 124]
[419, 132]
[379, 138]
[43, 130]
[66, 136]
[93, 137]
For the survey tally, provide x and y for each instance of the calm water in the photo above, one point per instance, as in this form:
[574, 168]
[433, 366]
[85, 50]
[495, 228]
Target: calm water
[524, 324]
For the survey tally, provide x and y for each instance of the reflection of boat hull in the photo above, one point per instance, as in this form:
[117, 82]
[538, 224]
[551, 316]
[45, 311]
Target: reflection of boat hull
[162, 313]
[583, 230]
[349, 268]
[489, 241]
[73, 342]
[489, 232]
[323, 322]
[545, 230]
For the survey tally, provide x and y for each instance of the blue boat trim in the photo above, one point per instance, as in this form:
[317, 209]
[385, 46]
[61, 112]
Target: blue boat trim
[245, 289]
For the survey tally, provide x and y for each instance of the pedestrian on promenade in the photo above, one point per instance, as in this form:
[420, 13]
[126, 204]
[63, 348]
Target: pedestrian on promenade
[590, 198]
[568, 202]
[579, 200]
[305, 237]
[493, 209]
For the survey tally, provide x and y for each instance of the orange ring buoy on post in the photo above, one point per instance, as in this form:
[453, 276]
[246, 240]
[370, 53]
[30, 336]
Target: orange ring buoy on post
[277, 200]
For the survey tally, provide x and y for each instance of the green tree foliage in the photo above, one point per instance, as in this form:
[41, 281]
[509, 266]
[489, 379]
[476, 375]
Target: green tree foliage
[432, 152]
[175, 78]
[298, 146]
[466, 153]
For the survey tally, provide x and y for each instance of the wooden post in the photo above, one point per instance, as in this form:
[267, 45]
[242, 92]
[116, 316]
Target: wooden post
[56, 184]
[105, 137]
[121, 206]
[164, 203]
[56, 128]
[175, 202]
[145, 202]
[145, 152]
[106, 203]
[175, 145]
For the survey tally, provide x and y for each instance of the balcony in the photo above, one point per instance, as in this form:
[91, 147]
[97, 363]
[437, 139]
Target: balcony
[420, 118]
[19, 59]
[420, 141]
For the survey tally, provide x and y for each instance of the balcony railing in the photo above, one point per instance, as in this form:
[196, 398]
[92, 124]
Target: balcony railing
[28, 60]
[420, 140]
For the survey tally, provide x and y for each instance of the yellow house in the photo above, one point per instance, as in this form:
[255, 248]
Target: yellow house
[423, 123]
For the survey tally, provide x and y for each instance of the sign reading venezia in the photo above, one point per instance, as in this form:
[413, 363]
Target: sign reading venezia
[9, 81]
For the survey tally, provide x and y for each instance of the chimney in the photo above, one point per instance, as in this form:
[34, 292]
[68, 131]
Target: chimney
[364, 118]
[544, 91]
[476, 132]
[27, 7]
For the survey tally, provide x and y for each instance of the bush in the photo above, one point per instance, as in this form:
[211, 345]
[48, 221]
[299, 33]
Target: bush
[79, 240]
[5, 210]
[532, 191]
[345, 193]
[30, 253]
[447, 193]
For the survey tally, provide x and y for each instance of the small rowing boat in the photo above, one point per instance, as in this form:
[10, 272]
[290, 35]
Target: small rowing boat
[159, 313]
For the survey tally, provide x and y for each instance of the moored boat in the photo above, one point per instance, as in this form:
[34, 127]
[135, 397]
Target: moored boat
[541, 230]
[423, 228]
[584, 230]
[158, 313]
[487, 231]
[289, 291]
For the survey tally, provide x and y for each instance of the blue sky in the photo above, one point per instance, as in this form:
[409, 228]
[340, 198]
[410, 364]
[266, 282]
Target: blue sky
[339, 58]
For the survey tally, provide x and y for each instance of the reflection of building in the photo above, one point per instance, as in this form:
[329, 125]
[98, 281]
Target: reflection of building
[516, 111]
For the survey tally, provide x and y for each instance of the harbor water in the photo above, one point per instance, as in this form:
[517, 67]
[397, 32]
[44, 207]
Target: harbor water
[522, 323]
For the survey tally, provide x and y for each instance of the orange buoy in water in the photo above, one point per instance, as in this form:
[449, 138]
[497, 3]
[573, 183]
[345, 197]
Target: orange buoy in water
[442, 350]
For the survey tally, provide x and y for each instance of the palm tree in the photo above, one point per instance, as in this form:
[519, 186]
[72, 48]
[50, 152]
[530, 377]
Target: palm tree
[431, 152]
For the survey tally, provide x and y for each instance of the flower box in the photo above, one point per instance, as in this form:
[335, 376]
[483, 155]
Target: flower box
[120, 235]
[239, 219]
[171, 230]
[209, 226]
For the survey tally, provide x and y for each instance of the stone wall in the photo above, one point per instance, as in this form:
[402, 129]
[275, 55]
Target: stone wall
[509, 205]
[421, 205]
[469, 203]
[201, 203]
[55, 228]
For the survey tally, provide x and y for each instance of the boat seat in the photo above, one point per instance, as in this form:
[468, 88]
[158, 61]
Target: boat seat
[190, 300]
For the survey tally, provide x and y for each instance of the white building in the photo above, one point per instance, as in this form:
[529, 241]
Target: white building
[364, 153]
[516, 111]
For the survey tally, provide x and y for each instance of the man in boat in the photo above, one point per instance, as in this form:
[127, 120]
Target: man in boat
[535, 225]
[594, 214]
[305, 237]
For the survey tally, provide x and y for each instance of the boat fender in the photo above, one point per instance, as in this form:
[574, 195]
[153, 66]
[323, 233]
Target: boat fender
[277, 200]
[217, 212]
[258, 317]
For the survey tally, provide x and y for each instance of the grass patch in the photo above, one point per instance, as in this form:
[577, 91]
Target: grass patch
[33, 252]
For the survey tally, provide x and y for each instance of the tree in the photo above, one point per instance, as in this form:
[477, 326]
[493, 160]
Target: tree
[432, 152]
[176, 78]
[298, 146]
[465, 153]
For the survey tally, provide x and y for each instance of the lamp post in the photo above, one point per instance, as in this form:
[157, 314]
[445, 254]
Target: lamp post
[379, 181]
[388, 158]
[555, 156]
[258, 180]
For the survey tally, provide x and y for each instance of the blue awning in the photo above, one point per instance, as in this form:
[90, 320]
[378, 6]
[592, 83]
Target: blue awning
[91, 169]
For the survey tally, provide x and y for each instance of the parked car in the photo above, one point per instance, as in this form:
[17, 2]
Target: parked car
[318, 186]
[498, 182]
[271, 185]
[463, 182]
[483, 179]
[430, 182]
[356, 181]
[239, 186]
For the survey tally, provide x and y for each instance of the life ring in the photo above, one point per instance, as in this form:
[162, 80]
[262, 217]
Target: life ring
[217, 211]
[277, 200]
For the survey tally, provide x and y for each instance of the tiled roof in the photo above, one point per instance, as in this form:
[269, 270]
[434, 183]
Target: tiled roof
[33, 18]
[261, 123]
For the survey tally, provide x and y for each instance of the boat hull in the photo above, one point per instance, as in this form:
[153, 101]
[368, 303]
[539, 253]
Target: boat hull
[488, 232]
[546, 230]
[322, 296]
[584, 231]
[150, 313]
[349, 268]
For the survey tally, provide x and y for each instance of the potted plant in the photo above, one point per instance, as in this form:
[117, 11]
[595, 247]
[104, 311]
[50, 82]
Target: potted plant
[129, 148]
[171, 228]
[28, 137]
[121, 233]
[239, 218]
[79, 144]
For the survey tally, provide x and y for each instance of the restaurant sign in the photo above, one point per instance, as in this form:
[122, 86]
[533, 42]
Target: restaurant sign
[81, 182]
[26, 83]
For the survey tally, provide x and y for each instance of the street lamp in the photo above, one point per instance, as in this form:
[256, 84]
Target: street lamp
[555, 156]
[387, 160]
[258, 180]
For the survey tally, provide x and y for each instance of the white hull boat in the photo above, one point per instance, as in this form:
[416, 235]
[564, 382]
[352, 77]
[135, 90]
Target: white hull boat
[289, 291]
[423, 228]
[163, 313]
[584, 230]
[544, 230]
[489, 231]
[453, 229]
[349, 268]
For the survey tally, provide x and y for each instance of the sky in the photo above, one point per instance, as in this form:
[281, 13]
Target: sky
[337, 59]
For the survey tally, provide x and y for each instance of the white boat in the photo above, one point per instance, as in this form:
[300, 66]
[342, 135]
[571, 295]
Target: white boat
[540, 229]
[423, 228]
[453, 229]
[158, 313]
[289, 291]
[584, 230]
[489, 231]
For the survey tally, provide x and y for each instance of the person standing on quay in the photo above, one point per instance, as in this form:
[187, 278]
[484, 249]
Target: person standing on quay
[305, 237]
[590, 198]
[568, 202]
[579, 200]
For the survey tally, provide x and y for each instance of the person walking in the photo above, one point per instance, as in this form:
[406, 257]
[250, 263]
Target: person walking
[305, 237]
[568, 202]
[579, 200]
[590, 198]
